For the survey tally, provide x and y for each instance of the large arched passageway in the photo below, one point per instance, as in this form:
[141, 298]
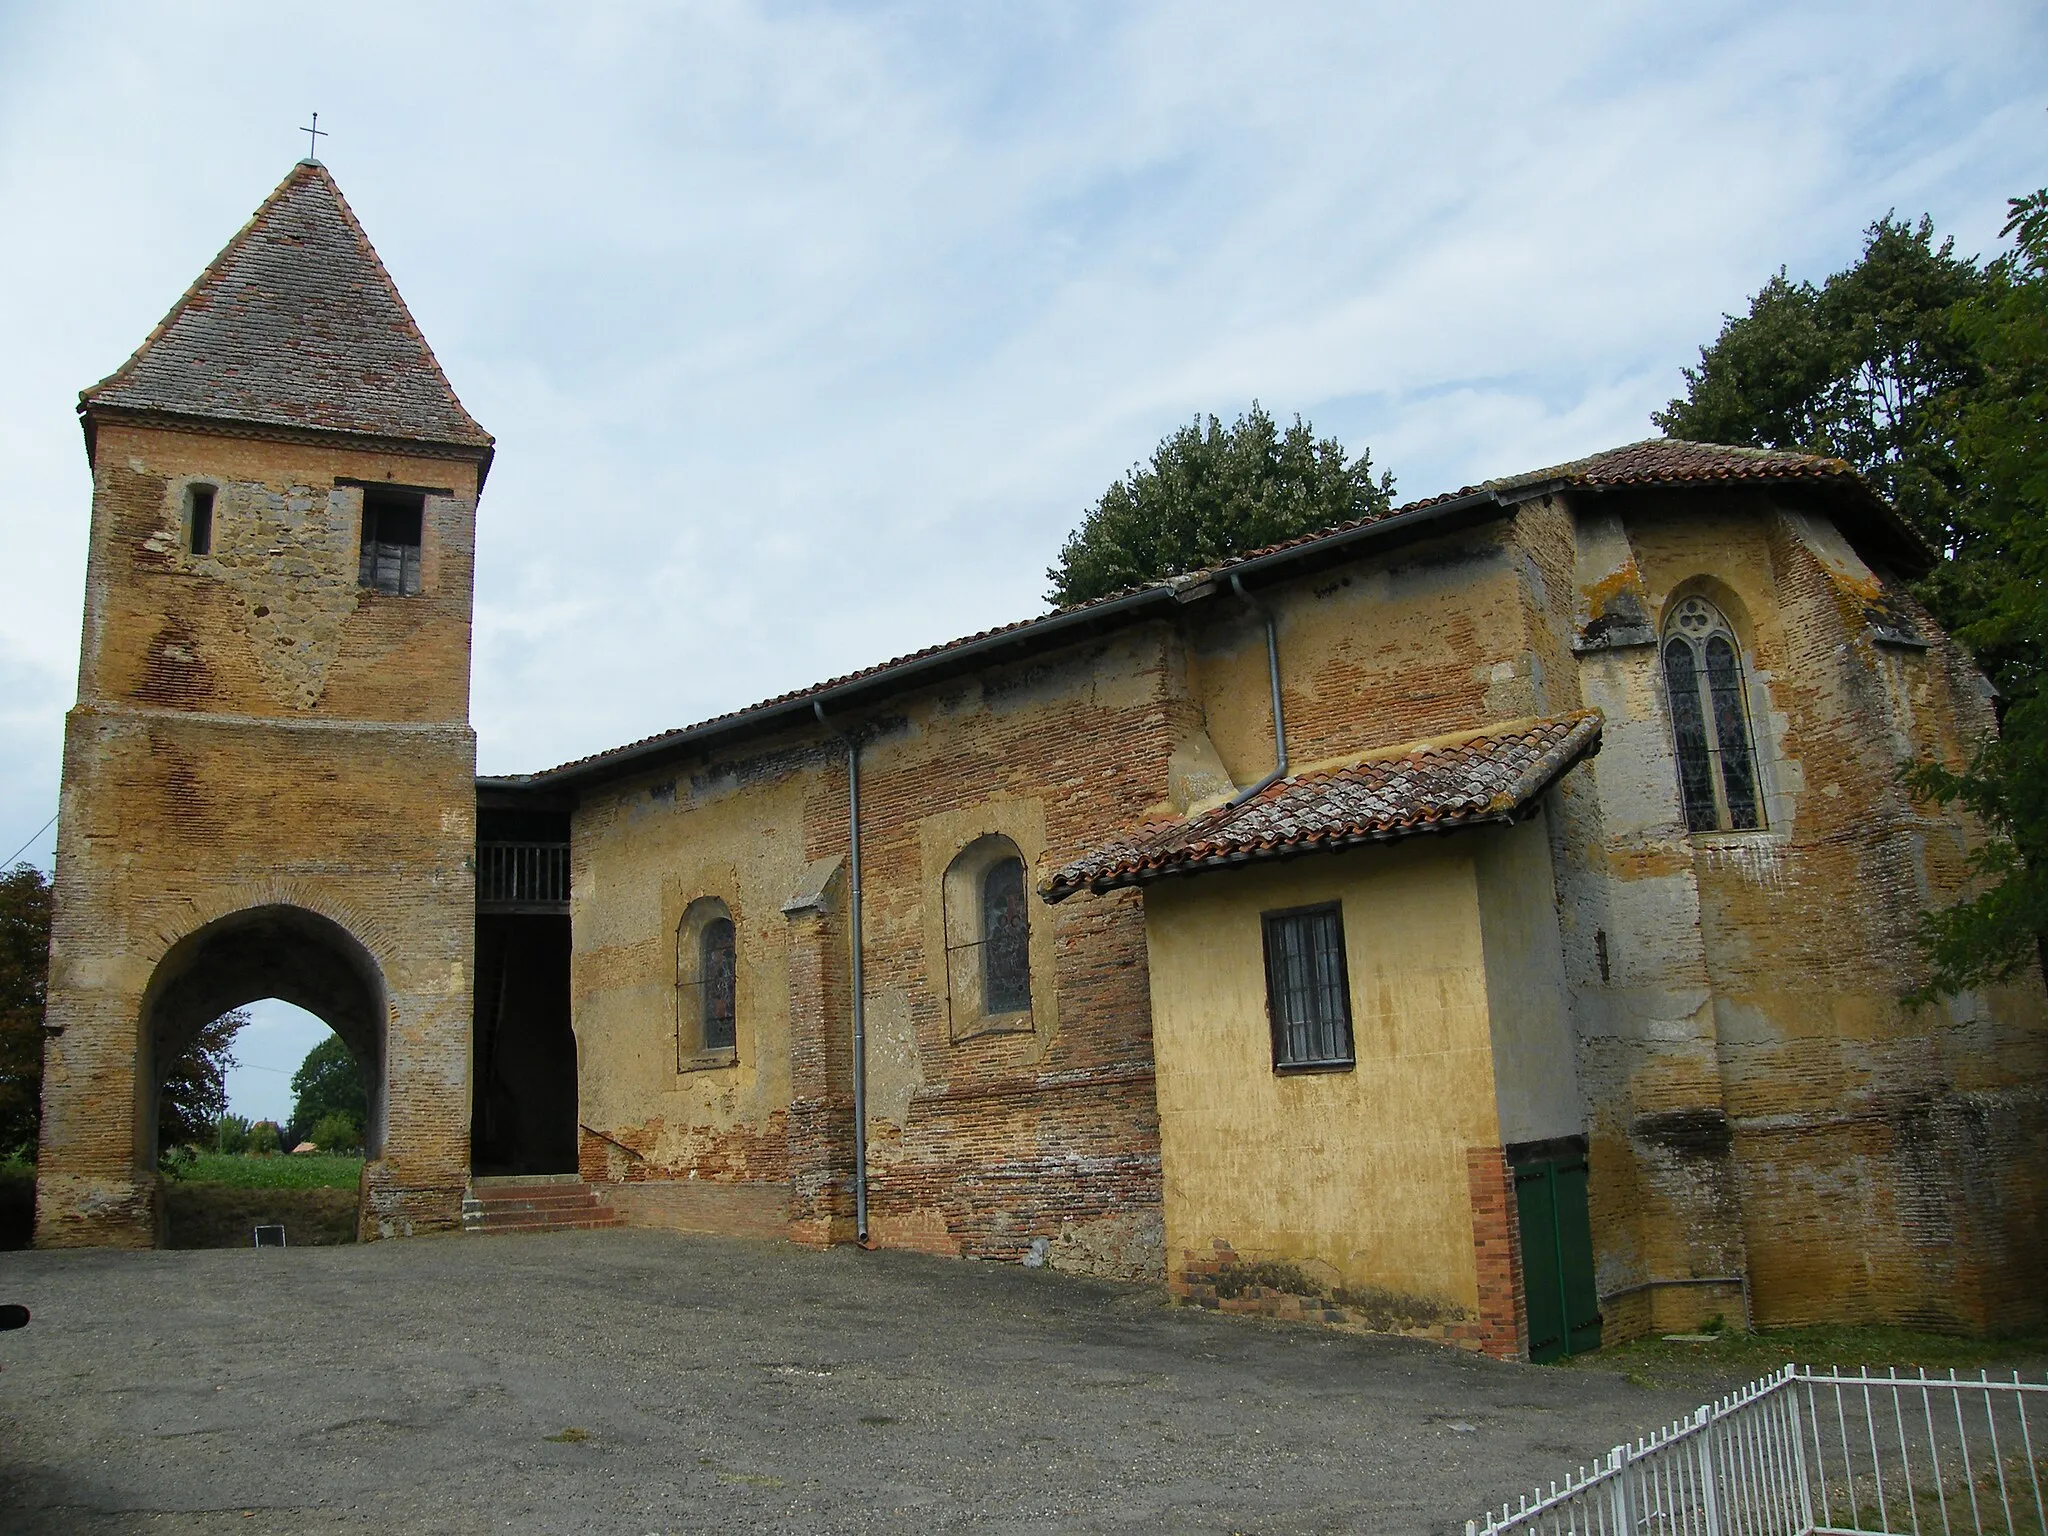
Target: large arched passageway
[273, 951]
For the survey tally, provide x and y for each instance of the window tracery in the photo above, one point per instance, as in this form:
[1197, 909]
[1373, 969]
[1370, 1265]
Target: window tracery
[1710, 731]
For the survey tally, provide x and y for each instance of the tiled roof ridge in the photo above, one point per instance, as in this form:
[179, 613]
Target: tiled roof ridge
[1611, 467]
[1304, 812]
[1791, 463]
[202, 290]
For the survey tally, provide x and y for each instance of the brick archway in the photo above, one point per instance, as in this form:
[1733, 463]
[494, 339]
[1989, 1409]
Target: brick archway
[275, 950]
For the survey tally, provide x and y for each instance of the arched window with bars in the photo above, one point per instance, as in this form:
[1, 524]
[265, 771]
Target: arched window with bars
[986, 897]
[707, 986]
[1710, 730]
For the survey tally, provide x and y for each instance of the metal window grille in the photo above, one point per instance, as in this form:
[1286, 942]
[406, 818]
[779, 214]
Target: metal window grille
[1006, 939]
[1812, 1450]
[1307, 990]
[522, 877]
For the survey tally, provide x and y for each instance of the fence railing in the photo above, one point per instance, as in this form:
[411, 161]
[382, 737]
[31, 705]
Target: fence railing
[522, 877]
[1811, 1450]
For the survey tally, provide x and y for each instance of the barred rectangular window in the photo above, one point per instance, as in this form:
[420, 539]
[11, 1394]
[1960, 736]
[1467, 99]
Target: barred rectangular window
[1308, 993]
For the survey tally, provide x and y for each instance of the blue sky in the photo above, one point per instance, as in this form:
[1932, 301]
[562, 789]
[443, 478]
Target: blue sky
[808, 331]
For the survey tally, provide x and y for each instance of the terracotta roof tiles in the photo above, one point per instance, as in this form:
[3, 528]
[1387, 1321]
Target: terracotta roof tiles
[295, 324]
[1490, 775]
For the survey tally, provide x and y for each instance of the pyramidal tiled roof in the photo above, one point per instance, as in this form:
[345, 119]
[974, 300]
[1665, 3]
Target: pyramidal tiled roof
[295, 324]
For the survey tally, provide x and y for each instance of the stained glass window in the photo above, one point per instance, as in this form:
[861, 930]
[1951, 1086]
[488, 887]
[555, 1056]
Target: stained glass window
[717, 962]
[1005, 939]
[1710, 732]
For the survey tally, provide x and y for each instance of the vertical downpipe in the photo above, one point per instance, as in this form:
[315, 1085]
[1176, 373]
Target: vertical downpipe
[1273, 678]
[860, 1031]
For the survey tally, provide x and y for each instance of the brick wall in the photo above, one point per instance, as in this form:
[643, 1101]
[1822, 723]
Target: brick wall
[260, 748]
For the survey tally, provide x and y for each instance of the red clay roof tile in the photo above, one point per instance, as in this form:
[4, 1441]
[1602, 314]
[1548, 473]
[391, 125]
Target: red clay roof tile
[1491, 775]
[295, 324]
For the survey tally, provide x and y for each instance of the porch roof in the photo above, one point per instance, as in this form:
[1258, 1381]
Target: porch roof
[1493, 774]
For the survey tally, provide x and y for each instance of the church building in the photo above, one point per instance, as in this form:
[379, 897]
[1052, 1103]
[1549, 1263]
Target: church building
[1485, 922]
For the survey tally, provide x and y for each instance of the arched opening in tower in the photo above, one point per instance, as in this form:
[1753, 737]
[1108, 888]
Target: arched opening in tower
[281, 952]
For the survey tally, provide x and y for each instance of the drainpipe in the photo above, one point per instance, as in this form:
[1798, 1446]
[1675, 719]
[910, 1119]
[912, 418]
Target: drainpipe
[1273, 676]
[860, 1033]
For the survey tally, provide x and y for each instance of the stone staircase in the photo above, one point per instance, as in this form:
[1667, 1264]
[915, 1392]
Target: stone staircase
[536, 1202]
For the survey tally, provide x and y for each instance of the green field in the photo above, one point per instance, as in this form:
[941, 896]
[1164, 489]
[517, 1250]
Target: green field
[312, 1171]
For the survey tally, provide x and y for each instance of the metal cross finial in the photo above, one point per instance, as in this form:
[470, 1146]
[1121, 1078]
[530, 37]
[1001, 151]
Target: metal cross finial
[314, 135]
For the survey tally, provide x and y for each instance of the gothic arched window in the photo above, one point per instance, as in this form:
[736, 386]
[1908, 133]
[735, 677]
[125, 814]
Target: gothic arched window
[1710, 720]
[1005, 938]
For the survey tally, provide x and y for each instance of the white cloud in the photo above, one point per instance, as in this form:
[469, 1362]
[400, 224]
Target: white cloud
[808, 331]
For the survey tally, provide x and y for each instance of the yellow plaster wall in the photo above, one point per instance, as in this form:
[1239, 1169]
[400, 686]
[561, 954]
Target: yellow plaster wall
[642, 855]
[1357, 1178]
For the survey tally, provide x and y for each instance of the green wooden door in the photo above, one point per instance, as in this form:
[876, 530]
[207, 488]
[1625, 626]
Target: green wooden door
[1575, 1258]
[1542, 1283]
[1557, 1258]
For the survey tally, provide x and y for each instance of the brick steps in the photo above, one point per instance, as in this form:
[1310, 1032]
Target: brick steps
[560, 1203]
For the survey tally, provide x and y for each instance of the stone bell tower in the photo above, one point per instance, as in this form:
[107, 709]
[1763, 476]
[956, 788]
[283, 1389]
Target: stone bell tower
[269, 775]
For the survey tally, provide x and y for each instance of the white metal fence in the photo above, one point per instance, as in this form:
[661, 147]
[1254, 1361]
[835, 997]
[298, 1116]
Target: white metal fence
[1817, 1450]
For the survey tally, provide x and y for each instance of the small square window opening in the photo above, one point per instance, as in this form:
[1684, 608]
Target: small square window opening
[392, 521]
[1308, 991]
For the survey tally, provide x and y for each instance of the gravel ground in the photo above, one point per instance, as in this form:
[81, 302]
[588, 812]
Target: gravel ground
[637, 1382]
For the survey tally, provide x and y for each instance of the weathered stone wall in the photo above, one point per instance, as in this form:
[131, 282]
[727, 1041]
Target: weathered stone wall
[268, 791]
[1767, 1125]
[981, 1142]
[1762, 1104]
[978, 1142]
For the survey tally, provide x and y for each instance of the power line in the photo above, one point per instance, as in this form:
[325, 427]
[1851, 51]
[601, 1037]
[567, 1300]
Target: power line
[24, 848]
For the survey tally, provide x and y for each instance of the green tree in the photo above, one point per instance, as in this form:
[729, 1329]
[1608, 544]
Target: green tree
[1866, 367]
[2001, 433]
[1210, 493]
[335, 1132]
[196, 1087]
[24, 975]
[328, 1082]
